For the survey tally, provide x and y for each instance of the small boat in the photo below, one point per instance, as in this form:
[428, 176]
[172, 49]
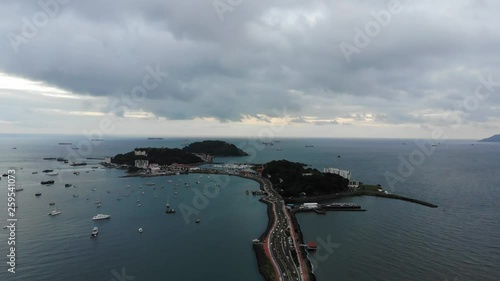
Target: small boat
[52, 174]
[4, 175]
[95, 231]
[75, 195]
[140, 230]
[97, 202]
[54, 212]
[47, 171]
[198, 221]
[47, 182]
[99, 205]
[93, 189]
[67, 185]
[150, 183]
[78, 164]
[170, 211]
[52, 203]
[169, 181]
[138, 205]
[38, 194]
[76, 173]
[34, 173]
[19, 189]
[142, 193]
[127, 186]
[101, 217]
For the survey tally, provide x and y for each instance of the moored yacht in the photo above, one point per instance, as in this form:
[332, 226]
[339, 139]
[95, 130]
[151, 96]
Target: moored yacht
[101, 217]
[54, 212]
[95, 231]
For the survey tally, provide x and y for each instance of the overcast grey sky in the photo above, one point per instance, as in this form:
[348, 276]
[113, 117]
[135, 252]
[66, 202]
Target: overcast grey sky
[345, 68]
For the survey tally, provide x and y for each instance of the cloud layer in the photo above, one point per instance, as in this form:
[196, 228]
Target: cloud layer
[261, 59]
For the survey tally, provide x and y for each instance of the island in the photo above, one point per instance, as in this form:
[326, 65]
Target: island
[290, 188]
[160, 156]
[150, 161]
[295, 179]
[215, 148]
[495, 138]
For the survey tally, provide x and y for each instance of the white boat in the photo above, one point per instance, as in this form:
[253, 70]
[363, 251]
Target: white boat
[99, 205]
[52, 174]
[101, 217]
[138, 205]
[150, 183]
[140, 230]
[54, 212]
[93, 189]
[169, 181]
[95, 231]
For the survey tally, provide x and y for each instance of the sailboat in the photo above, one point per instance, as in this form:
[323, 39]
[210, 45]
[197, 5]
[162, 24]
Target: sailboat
[169, 211]
[54, 212]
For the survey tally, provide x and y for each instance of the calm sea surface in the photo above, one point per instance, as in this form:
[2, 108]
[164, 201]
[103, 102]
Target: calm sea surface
[393, 240]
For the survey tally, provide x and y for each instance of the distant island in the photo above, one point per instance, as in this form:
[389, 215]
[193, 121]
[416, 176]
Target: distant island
[293, 179]
[215, 148]
[495, 138]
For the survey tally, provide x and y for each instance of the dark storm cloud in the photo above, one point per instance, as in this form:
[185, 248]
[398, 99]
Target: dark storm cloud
[265, 57]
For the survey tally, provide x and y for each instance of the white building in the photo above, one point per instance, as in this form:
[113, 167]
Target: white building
[143, 164]
[343, 173]
[140, 153]
[107, 160]
[310, 205]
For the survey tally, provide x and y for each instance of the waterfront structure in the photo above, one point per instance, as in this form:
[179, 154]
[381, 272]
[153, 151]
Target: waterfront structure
[140, 163]
[310, 205]
[154, 168]
[343, 173]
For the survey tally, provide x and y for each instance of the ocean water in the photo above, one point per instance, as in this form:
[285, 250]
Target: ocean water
[393, 240]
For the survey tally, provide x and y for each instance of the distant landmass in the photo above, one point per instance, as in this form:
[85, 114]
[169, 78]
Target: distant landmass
[215, 148]
[495, 138]
[291, 179]
[162, 156]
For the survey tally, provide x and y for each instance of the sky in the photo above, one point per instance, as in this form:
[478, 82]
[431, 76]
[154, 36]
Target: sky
[274, 68]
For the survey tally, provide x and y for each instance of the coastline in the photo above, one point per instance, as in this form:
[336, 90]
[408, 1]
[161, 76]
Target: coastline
[358, 193]
[265, 265]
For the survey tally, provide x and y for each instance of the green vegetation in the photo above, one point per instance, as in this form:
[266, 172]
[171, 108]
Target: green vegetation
[369, 187]
[291, 179]
[162, 156]
[265, 266]
[215, 148]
